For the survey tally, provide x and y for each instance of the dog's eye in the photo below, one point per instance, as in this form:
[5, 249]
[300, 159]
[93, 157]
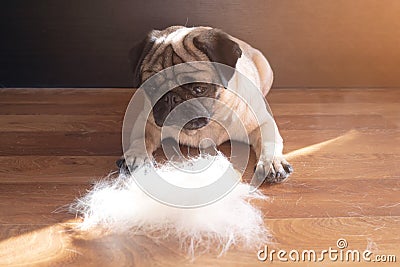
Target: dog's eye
[199, 90]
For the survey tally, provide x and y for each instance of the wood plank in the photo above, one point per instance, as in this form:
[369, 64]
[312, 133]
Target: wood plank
[342, 142]
[380, 108]
[105, 95]
[379, 234]
[35, 203]
[113, 123]
[83, 169]
[55, 169]
[333, 198]
[394, 118]
[61, 109]
[53, 245]
[110, 123]
[109, 108]
[20, 101]
[329, 166]
[61, 123]
[339, 95]
[81, 96]
[357, 150]
[60, 143]
[301, 95]
[328, 122]
[87, 143]
[343, 146]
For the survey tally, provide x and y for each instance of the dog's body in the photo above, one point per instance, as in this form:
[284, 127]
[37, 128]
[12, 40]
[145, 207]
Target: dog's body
[175, 45]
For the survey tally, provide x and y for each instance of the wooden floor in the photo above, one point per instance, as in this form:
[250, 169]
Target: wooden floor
[343, 143]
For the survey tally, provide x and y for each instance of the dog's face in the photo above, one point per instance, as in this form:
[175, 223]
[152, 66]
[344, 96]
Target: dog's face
[175, 45]
[200, 111]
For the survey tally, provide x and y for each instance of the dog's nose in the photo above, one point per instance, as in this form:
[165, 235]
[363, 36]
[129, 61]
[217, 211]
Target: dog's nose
[172, 99]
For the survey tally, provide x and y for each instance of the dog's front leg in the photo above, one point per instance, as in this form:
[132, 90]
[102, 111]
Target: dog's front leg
[268, 146]
[141, 147]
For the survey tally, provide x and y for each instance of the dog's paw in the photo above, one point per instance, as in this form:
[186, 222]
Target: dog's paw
[273, 171]
[129, 163]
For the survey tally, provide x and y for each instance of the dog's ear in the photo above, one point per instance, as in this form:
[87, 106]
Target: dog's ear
[217, 45]
[137, 54]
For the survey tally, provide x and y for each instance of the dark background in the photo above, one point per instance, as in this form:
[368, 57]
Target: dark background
[309, 43]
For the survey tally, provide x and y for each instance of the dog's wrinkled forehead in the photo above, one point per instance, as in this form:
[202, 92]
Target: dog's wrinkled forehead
[162, 49]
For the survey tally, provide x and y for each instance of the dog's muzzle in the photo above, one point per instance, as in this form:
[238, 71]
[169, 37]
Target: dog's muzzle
[191, 116]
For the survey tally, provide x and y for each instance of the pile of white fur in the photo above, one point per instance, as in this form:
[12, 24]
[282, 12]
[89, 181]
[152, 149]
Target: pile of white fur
[120, 206]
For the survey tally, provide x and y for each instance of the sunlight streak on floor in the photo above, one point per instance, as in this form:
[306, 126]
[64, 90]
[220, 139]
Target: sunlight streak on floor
[316, 147]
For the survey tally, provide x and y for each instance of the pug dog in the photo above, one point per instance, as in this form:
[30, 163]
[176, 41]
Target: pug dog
[162, 49]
